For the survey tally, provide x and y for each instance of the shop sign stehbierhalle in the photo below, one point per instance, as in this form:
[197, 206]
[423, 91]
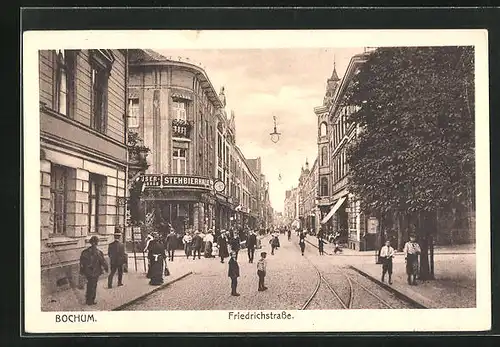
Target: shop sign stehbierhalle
[176, 181]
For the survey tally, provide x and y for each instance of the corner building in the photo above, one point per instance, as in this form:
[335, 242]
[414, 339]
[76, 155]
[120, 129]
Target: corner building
[175, 110]
[82, 157]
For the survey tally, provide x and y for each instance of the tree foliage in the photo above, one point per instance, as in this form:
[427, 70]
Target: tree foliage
[416, 112]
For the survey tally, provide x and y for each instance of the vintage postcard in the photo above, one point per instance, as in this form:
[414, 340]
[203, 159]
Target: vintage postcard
[256, 181]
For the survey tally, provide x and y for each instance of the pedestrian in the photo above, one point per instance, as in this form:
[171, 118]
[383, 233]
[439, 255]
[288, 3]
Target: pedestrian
[321, 245]
[222, 244]
[209, 241]
[387, 254]
[235, 244]
[117, 258]
[412, 251]
[261, 271]
[157, 259]
[302, 244]
[251, 243]
[275, 243]
[233, 273]
[197, 245]
[289, 234]
[187, 240]
[92, 263]
[171, 244]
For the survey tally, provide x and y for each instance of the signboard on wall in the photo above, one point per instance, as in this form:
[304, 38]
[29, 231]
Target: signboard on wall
[372, 226]
[176, 181]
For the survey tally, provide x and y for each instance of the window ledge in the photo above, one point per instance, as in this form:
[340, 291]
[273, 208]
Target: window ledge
[61, 241]
[181, 139]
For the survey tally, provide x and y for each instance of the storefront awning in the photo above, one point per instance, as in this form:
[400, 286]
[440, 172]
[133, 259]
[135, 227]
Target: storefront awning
[333, 210]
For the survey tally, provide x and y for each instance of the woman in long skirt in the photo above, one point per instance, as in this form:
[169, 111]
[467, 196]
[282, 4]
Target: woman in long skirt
[222, 243]
[157, 257]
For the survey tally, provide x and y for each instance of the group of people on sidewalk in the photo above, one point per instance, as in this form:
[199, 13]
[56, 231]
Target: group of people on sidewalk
[411, 252]
[93, 264]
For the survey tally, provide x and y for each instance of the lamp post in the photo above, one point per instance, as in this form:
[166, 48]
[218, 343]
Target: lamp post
[275, 135]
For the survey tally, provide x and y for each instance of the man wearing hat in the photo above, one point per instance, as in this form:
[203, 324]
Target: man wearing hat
[197, 245]
[117, 258]
[92, 263]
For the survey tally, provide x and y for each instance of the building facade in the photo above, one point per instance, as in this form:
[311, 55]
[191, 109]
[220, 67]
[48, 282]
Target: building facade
[83, 156]
[175, 109]
[339, 209]
[309, 194]
[291, 208]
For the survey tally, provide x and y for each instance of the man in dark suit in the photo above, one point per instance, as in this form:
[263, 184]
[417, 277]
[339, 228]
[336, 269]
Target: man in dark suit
[233, 273]
[197, 245]
[171, 243]
[251, 243]
[117, 258]
[92, 263]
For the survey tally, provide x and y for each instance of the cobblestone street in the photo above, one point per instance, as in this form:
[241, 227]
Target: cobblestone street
[291, 278]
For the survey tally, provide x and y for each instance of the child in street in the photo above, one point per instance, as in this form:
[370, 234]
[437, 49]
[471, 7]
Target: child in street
[233, 273]
[261, 271]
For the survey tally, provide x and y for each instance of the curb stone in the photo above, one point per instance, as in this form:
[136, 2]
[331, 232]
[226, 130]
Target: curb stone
[160, 287]
[417, 303]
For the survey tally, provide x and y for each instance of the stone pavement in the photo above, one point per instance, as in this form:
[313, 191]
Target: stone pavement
[136, 285]
[454, 268]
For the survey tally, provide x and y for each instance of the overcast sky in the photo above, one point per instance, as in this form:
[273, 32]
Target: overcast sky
[260, 84]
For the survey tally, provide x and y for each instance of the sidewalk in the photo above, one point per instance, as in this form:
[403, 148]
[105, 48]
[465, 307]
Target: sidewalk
[454, 285]
[136, 285]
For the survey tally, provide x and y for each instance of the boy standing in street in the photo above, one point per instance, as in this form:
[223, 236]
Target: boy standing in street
[387, 253]
[261, 271]
[233, 273]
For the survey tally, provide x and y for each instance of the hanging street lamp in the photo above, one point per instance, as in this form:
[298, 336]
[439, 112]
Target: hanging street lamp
[275, 135]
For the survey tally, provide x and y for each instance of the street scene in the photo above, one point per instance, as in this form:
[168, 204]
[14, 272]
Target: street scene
[252, 179]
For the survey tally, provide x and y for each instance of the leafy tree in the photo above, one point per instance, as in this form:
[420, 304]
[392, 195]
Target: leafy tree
[415, 152]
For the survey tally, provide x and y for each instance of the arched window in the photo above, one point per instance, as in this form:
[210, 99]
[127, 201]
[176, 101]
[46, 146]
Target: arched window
[322, 129]
[324, 186]
[324, 156]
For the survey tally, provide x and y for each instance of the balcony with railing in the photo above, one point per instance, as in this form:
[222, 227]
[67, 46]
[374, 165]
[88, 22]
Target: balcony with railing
[181, 128]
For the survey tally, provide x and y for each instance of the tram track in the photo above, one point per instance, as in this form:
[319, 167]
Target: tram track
[355, 288]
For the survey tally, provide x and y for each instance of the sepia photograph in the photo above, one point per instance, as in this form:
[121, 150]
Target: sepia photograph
[257, 186]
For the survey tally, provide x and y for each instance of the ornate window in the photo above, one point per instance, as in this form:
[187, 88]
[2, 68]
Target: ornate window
[324, 186]
[133, 112]
[179, 161]
[95, 191]
[179, 109]
[324, 156]
[322, 129]
[58, 198]
[64, 81]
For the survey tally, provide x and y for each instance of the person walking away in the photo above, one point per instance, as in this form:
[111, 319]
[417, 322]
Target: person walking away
[387, 254]
[187, 240]
[275, 243]
[251, 243]
[412, 251]
[321, 245]
[197, 244]
[222, 243]
[261, 271]
[92, 263]
[117, 258]
[289, 234]
[171, 244]
[157, 258]
[234, 273]
[235, 245]
[302, 244]
[209, 241]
